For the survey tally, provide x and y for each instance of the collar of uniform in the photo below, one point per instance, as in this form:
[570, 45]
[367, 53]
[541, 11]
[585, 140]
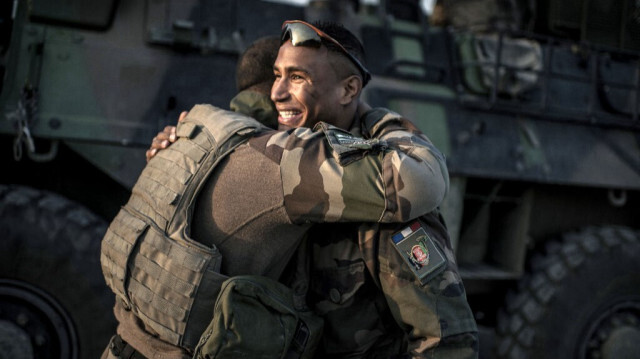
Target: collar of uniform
[372, 119]
[256, 105]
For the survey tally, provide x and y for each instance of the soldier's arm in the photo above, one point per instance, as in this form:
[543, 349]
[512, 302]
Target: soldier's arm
[393, 175]
[433, 310]
[329, 175]
[419, 164]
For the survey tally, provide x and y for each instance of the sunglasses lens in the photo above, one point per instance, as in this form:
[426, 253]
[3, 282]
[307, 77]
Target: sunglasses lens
[301, 35]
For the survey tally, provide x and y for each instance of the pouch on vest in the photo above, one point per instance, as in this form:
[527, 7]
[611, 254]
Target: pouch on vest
[255, 317]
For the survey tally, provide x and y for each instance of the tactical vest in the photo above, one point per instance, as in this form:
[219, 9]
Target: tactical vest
[164, 277]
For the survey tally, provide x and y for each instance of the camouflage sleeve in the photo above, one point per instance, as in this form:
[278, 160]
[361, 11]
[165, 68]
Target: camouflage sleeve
[330, 175]
[419, 164]
[432, 310]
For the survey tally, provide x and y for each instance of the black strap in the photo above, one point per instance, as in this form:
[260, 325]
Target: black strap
[122, 350]
[299, 280]
[299, 341]
[300, 285]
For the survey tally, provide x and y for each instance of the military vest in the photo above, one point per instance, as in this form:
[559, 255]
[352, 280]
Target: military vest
[164, 277]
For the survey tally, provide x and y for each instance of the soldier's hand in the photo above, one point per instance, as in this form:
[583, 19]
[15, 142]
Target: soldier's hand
[164, 138]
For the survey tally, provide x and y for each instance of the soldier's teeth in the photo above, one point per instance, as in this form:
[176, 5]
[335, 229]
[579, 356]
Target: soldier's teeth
[288, 114]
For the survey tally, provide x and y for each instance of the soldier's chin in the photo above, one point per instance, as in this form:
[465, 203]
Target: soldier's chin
[282, 127]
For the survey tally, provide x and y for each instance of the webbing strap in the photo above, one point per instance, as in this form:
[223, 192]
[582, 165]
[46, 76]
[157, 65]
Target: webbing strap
[168, 253]
[174, 289]
[169, 335]
[188, 149]
[117, 246]
[148, 299]
[170, 169]
[299, 341]
[123, 350]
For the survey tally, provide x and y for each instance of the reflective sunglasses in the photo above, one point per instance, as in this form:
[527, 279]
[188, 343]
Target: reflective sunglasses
[305, 34]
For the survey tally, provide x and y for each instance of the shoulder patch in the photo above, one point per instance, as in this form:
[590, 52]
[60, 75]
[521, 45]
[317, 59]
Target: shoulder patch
[346, 147]
[419, 251]
[349, 140]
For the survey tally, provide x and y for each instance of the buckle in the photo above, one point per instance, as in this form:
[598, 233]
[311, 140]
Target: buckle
[116, 345]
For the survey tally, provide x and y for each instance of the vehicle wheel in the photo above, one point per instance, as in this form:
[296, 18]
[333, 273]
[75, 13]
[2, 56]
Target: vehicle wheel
[581, 300]
[54, 302]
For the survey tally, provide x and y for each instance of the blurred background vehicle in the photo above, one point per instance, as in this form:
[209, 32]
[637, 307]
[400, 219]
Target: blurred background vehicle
[535, 104]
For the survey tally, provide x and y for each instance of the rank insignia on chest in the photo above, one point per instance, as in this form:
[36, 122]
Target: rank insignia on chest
[419, 251]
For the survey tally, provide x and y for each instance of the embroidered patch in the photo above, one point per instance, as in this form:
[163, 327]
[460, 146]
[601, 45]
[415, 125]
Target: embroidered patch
[419, 251]
[354, 142]
[348, 148]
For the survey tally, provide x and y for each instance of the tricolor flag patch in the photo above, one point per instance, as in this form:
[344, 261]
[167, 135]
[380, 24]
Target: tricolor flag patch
[419, 251]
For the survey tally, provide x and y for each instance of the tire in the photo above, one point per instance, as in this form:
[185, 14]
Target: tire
[580, 300]
[52, 291]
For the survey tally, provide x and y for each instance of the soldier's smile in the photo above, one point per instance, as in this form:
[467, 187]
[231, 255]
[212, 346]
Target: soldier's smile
[289, 118]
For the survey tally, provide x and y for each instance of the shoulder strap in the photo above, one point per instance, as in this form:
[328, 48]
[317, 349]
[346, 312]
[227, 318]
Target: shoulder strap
[217, 132]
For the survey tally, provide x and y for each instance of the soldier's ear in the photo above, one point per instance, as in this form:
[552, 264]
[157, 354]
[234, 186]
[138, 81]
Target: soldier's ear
[351, 87]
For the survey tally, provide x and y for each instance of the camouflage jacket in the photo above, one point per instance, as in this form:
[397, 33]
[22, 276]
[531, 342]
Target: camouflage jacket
[374, 305]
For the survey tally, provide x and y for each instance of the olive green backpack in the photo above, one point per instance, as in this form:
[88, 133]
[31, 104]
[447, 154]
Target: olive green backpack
[256, 317]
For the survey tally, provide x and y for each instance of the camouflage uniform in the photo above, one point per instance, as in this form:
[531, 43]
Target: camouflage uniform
[321, 175]
[373, 305]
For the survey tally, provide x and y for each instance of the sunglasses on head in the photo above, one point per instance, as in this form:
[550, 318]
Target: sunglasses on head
[305, 34]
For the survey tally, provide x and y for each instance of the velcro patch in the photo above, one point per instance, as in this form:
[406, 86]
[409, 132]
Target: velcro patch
[420, 252]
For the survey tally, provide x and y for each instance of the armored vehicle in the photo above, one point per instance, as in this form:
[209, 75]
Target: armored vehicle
[535, 104]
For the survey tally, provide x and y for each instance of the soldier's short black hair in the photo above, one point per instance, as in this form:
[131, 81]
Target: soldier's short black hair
[255, 65]
[345, 37]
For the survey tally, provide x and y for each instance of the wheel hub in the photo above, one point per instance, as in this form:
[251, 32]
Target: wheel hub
[33, 324]
[622, 343]
[14, 342]
[615, 333]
